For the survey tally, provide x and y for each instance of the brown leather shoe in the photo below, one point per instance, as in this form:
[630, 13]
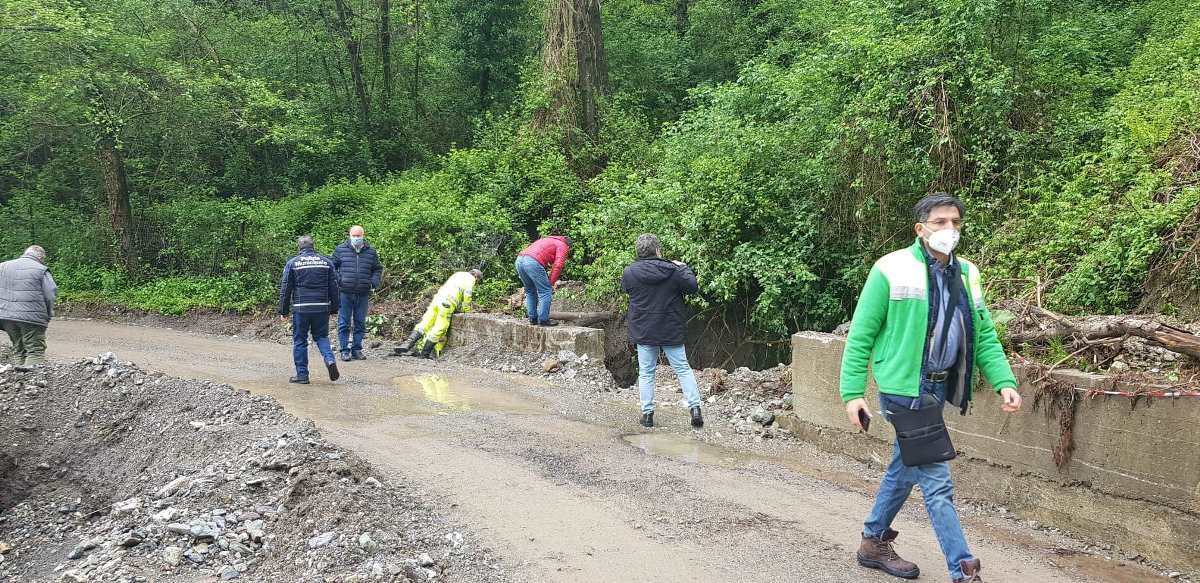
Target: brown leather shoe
[877, 553]
[971, 570]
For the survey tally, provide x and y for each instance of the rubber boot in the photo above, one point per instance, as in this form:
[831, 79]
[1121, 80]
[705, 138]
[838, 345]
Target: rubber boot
[407, 346]
[430, 346]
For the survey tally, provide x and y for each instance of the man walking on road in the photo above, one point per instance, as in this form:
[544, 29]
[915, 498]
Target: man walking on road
[922, 324]
[547, 253]
[430, 332]
[657, 323]
[309, 290]
[359, 272]
[27, 293]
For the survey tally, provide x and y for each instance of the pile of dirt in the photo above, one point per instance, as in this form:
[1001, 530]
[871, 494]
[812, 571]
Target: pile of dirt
[113, 473]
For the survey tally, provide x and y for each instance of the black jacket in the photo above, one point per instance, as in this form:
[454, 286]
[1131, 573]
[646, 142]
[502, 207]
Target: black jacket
[656, 313]
[359, 272]
[309, 285]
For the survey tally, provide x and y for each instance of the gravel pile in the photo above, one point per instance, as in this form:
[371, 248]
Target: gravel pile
[111, 473]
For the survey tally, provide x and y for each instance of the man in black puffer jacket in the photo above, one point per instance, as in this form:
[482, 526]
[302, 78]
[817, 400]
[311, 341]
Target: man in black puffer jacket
[309, 290]
[657, 322]
[359, 272]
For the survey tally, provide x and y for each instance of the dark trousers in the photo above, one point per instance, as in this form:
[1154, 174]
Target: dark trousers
[303, 326]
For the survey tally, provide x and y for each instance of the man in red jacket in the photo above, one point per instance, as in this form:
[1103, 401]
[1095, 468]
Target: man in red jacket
[547, 253]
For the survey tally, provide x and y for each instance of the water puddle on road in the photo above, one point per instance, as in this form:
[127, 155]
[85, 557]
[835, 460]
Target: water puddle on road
[403, 396]
[687, 450]
[451, 395]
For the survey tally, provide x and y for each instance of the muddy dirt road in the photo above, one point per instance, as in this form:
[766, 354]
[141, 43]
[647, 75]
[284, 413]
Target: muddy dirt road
[568, 488]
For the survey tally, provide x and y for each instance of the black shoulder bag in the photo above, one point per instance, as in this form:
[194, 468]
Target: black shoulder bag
[922, 433]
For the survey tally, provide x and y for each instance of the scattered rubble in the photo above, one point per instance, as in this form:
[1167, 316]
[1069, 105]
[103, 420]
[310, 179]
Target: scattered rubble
[118, 474]
[747, 401]
[558, 366]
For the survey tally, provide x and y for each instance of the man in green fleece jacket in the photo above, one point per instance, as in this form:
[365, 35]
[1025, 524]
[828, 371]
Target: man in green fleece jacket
[922, 325]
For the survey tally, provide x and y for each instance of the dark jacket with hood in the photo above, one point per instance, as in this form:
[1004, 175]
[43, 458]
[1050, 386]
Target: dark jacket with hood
[359, 271]
[309, 285]
[656, 312]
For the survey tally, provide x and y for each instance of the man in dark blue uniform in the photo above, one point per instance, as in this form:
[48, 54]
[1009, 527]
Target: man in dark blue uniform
[309, 290]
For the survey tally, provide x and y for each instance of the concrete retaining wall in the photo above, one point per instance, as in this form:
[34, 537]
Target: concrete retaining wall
[520, 335]
[1134, 478]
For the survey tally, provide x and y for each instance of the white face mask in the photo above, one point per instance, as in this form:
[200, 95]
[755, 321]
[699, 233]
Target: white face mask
[943, 241]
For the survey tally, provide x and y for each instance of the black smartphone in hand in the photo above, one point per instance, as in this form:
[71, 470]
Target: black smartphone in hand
[865, 419]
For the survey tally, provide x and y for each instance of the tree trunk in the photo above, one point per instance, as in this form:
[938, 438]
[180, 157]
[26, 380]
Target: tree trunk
[385, 49]
[356, 72]
[484, 81]
[681, 17]
[416, 84]
[116, 190]
[592, 64]
[575, 68]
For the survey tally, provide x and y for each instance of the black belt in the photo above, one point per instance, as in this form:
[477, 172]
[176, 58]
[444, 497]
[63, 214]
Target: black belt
[940, 376]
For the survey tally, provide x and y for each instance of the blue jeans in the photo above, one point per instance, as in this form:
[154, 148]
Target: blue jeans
[538, 292]
[352, 306]
[648, 363]
[302, 326]
[936, 486]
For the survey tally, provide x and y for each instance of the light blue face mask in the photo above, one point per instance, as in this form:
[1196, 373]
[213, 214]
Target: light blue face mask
[356, 241]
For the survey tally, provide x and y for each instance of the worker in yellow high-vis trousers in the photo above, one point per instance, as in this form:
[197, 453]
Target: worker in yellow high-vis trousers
[430, 333]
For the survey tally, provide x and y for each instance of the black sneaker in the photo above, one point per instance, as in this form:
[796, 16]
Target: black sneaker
[299, 380]
[358, 355]
[648, 419]
[345, 356]
[548, 323]
[333, 371]
[697, 418]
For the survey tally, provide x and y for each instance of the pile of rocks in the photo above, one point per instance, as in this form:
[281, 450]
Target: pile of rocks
[748, 401]
[116, 474]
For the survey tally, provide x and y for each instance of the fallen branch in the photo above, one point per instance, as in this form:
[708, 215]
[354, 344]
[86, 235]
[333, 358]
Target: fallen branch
[583, 318]
[1097, 328]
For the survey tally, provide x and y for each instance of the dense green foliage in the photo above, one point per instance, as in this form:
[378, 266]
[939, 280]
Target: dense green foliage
[775, 145]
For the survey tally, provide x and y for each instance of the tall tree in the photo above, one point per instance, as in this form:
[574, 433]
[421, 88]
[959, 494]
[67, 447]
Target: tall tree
[385, 49]
[353, 54]
[575, 71]
[416, 80]
[681, 17]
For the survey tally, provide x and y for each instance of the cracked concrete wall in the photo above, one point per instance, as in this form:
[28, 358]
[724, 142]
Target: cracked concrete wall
[1134, 478]
[519, 335]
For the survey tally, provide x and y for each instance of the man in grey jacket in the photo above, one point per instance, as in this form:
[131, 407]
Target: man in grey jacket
[27, 293]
